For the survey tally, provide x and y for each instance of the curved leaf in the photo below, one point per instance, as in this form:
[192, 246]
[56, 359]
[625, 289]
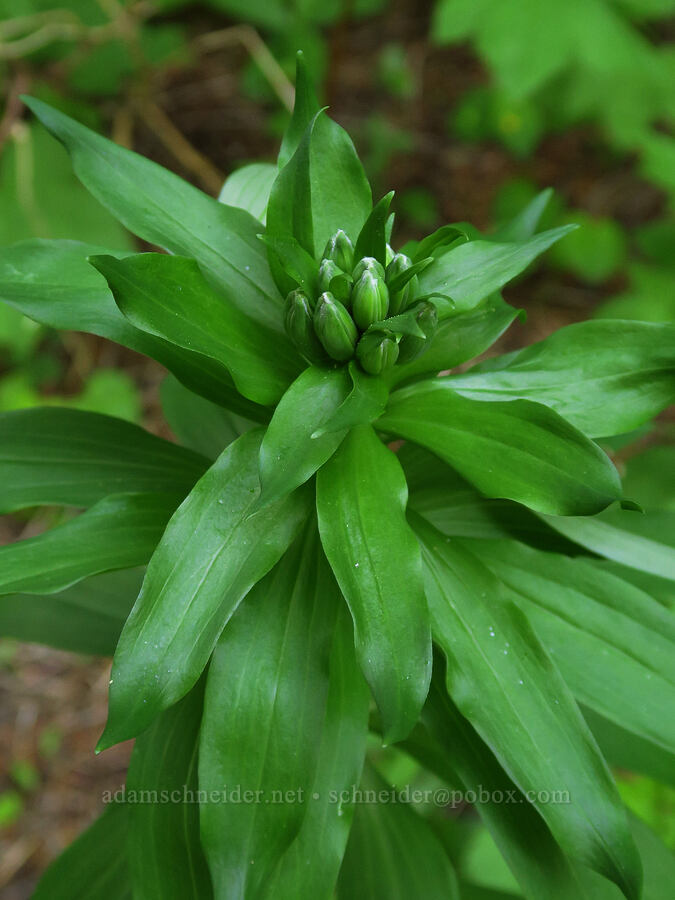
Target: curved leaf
[51, 456]
[372, 240]
[605, 377]
[210, 556]
[168, 297]
[517, 450]
[249, 189]
[118, 532]
[305, 107]
[361, 499]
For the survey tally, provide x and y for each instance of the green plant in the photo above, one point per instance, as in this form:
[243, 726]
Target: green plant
[239, 668]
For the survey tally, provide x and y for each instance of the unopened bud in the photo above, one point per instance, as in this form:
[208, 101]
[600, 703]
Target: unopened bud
[377, 351]
[370, 300]
[327, 271]
[368, 264]
[413, 345]
[399, 300]
[300, 328]
[340, 250]
[335, 328]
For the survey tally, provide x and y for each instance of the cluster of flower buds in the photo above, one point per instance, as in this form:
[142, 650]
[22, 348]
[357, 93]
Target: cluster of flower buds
[354, 312]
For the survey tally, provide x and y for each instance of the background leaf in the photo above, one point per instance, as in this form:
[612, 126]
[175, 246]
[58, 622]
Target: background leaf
[249, 188]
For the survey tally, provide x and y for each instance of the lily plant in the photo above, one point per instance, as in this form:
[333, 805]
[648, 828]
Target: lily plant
[347, 549]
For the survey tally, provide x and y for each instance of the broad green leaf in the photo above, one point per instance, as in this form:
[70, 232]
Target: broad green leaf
[52, 456]
[433, 244]
[471, 272]
[365, 403]
[459, 339]
[165, 856]
[605, 377]
[516, 450]
[162, 209]
[505, 684]
[618, 543]
[52, 282]
[361, 499]
[614, 645]
[289, 454]
[249, 188]
[298, 268]
[372, 239]
[118, 532]
[167, 296]
[274, 707]
[95, 866]
[393, 854]
[460, 757]
[524, 225]
[306, 106]
[212, 553]
[650, 477]
[322, 188]
[198, 423]
[85, 618]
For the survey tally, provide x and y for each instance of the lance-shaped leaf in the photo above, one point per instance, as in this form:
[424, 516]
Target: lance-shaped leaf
[604, 377]
[95, 867]
[516, 449]
[471, 272]
[505, 684]
[306, 106]
[372, 239]
[321, 189]
[281, 681]
[164, 210]
[393, 852]
[365, 402]
[618, 543]
[118, 532]
[212, 553]
[85, 618]
[249, 188]
[198, 423]
[289, 454]
[459, 339]
[448, 745]
[73, 458]
[524, 225]
[596, 625]
[163, 848]
[169, 297]
[361, 499]
[52, 282]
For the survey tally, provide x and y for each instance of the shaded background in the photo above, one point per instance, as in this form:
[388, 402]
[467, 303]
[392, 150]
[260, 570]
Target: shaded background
[465, 107]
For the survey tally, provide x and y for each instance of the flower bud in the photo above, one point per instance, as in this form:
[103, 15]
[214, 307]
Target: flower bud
[335, 328]
[370, 300]
[299, 326]
[368, 264]
[340, 250]
[327, 270]
[377, 351]
[399, 301]
[412, 345]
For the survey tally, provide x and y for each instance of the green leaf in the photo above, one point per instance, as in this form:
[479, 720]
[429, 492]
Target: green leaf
[85, 618]
[72, 458]
[306, 106]
[459, 339]
[524, 225]
[618, 543]
[163, 847]
[289, 454]
[505, 684]
[52, 282]
[294, 262]
[365, 403]
[361, 499]
[321, 189]
[274, 707]
[162, 209]
[95, 866]
[613, 644]
[393, 854]
[460, 757]
[432, 243]
[249, 189]
[471, 272]
[210, 556]
[372, 239]
[118, 532]
[168, 297]
[198, 423]
[517, 450]
[605, 377]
